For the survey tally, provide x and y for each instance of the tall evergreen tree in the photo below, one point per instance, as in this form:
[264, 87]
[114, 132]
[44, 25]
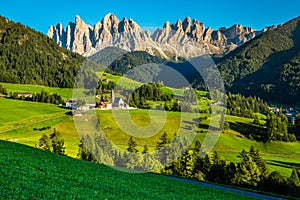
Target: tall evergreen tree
[44, 142]
[145, 149]
[84, 153]
[248, 171]
[261, 163]
[57, 143]
[275, 183]
[132, 145]
[294, 178]
[163, 141]
[217, 170]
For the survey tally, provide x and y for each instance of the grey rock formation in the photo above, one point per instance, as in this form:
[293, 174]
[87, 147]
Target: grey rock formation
[187, 39]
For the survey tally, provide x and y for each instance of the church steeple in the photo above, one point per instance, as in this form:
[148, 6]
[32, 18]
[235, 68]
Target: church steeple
[112, 96]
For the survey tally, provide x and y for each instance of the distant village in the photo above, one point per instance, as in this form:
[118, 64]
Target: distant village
[118, 103]
[291, 113]
[115, 103]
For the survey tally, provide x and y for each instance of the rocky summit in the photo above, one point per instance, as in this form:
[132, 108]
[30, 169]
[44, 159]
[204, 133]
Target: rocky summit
[187, 39]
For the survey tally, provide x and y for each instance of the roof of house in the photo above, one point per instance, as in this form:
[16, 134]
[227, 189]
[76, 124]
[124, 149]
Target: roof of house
[72, 100]
[118, 99]
[24, 93]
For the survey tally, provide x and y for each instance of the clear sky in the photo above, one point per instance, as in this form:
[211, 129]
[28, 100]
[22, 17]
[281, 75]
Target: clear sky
[39, 14]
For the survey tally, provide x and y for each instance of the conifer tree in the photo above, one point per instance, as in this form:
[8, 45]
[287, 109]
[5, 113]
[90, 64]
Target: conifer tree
[44, 142]
[132, 145]
[163, 141]
[294, 178]
[84, 153]
[261, 164]
[145, 150]
[57, 143]
[248, 171]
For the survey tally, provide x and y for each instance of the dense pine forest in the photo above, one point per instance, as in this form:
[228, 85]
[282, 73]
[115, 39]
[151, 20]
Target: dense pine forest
[29, 57]
[267, 66]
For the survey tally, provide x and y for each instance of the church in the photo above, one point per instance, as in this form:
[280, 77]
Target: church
[118, 103]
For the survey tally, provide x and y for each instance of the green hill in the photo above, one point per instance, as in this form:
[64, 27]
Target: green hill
[107, 56]
[267, 66]
[132, 59]
[29, 57]
[29, 173]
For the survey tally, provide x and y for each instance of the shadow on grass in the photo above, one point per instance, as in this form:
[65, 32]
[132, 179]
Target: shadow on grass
[247, 129]
[284, 164]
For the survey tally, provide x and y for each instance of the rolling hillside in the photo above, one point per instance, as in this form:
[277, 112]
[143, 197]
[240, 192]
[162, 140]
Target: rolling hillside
[280, 156]
[35, 174]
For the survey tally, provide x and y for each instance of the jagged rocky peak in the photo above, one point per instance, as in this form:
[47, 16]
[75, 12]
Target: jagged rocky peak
[77, 19]
[177, 26]
[186, 24]
[124, 25]
[167, 25]
[134, 25]
[111, 23]
[127, 25]
[127, 34]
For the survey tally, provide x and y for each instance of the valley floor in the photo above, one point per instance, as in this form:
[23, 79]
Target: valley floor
[23, 124]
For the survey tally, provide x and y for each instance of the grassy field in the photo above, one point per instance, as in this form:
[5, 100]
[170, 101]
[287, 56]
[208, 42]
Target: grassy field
[64, 92]
[132, 84]
[18, 119]
[15, 110]
[120, 80]
[34, 174]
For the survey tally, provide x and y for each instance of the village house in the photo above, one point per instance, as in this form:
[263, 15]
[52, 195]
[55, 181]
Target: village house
[24, 94]
[104, 80]
[72, 103]
[91, 104]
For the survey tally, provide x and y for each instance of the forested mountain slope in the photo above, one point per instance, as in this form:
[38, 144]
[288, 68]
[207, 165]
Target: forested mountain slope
[267, 66]
[27, 56]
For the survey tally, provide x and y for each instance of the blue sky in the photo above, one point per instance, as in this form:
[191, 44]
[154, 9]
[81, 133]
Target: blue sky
[40, 14]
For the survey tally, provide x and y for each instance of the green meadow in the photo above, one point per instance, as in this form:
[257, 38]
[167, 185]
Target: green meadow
[18, 119]
[64, 92]
[35, 174]
[120, 80]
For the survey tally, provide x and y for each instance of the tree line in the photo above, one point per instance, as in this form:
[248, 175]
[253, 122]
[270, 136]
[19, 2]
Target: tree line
[149, 91]
[52, 143]
[242, 106]
[251, 171]
[3, 90]
[277, 128]
[42, 97]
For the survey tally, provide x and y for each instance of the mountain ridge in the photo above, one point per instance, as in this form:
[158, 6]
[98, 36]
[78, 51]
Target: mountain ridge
[188, 38]
[267, 66]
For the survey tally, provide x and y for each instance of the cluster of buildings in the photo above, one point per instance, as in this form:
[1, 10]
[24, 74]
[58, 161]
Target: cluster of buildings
[291, 113]
[116, 103]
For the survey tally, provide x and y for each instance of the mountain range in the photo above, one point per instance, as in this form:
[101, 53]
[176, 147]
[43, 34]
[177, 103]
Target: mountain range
[267, 66]
[187, 39]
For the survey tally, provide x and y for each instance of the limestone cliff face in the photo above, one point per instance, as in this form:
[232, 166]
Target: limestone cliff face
[189, 38]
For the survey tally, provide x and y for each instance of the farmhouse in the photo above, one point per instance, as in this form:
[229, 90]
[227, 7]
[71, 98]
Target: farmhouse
[92, 104]
[72, 103]
[24, 94]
